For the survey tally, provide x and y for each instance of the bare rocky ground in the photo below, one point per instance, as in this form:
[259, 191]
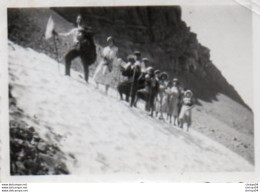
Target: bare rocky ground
[29, 153]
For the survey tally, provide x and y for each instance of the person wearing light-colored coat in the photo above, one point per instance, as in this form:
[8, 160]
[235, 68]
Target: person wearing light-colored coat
[104, 71]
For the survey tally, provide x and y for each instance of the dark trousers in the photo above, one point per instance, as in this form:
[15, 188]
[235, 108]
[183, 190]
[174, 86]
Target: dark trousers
[148, 97]
[125, 88]
[72, 54]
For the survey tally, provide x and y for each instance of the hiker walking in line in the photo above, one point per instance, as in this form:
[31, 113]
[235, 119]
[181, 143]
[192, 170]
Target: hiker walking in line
[161, 97]
[105, 71]
[144, 93]
[137, 55]
[129, 86]
[126, 71]
[173, 100]
[83, 47]
[140, 62]
[149, 92]
[185, 113]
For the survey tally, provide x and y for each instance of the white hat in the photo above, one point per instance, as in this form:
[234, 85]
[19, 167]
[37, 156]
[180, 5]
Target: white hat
[188, 92]
[148, 68]
[145, 59]
[109, 38]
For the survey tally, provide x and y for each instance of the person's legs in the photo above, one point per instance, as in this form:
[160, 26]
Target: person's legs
[106, 87]
[170, 116]
[151, 103]
[85, 66]
[151, 108]
[189, 118]
[161, 109]
[119, 91]
[181, 122]
[97, 74]
[138, 95]
[132, 99]
[133, 94]
[86, 72]
[160, 116]
[72, 54]
[177, 120]
[123, 90]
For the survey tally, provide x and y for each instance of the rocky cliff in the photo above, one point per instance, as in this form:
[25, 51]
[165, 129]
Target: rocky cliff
[158, 32]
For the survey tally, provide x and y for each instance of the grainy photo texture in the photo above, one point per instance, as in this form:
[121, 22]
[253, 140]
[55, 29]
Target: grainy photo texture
[127, 90]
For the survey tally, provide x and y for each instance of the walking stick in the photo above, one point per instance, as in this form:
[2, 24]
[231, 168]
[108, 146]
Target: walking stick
[56, 50]
[119, 75]
[150, 104]
[132, 87]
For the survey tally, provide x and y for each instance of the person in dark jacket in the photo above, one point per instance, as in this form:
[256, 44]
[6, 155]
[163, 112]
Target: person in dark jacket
[129, 86]
[83, 47]
[149, 92]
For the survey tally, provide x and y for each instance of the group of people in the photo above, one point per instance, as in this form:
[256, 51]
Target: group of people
[134, 79]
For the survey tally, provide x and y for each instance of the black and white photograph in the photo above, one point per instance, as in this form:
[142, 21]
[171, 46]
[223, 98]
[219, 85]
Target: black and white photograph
[140, 92]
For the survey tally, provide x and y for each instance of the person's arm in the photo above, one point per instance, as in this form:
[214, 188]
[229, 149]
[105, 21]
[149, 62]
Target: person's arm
[192, 102]
[116, 52]
[168, 91]
[67, 34]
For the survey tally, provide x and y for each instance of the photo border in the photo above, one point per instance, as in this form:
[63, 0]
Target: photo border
[186, 177]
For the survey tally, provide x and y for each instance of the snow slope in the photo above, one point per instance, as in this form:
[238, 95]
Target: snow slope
[105, 135]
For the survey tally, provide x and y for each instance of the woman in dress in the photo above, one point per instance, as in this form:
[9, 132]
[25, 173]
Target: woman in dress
[160, 103]
[187, 105]
[173, 93]
[103, 74]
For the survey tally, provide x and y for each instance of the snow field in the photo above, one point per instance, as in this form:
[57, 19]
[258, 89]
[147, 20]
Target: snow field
[104, 134]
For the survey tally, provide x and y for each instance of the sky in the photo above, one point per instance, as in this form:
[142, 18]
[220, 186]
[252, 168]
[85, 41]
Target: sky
[227, 31]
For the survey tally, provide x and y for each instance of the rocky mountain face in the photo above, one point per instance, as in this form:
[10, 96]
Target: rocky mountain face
[158, 32]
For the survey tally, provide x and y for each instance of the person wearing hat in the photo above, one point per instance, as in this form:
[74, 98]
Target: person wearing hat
[160, 102]
[103, 74]
[130, 62]
[137, 58]
[144, 63]
[163, 76]
[128, 67]
[83, 46]
[187, 105]
[129, 86]
[173, 99]
[157, 73]
[149, 92]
